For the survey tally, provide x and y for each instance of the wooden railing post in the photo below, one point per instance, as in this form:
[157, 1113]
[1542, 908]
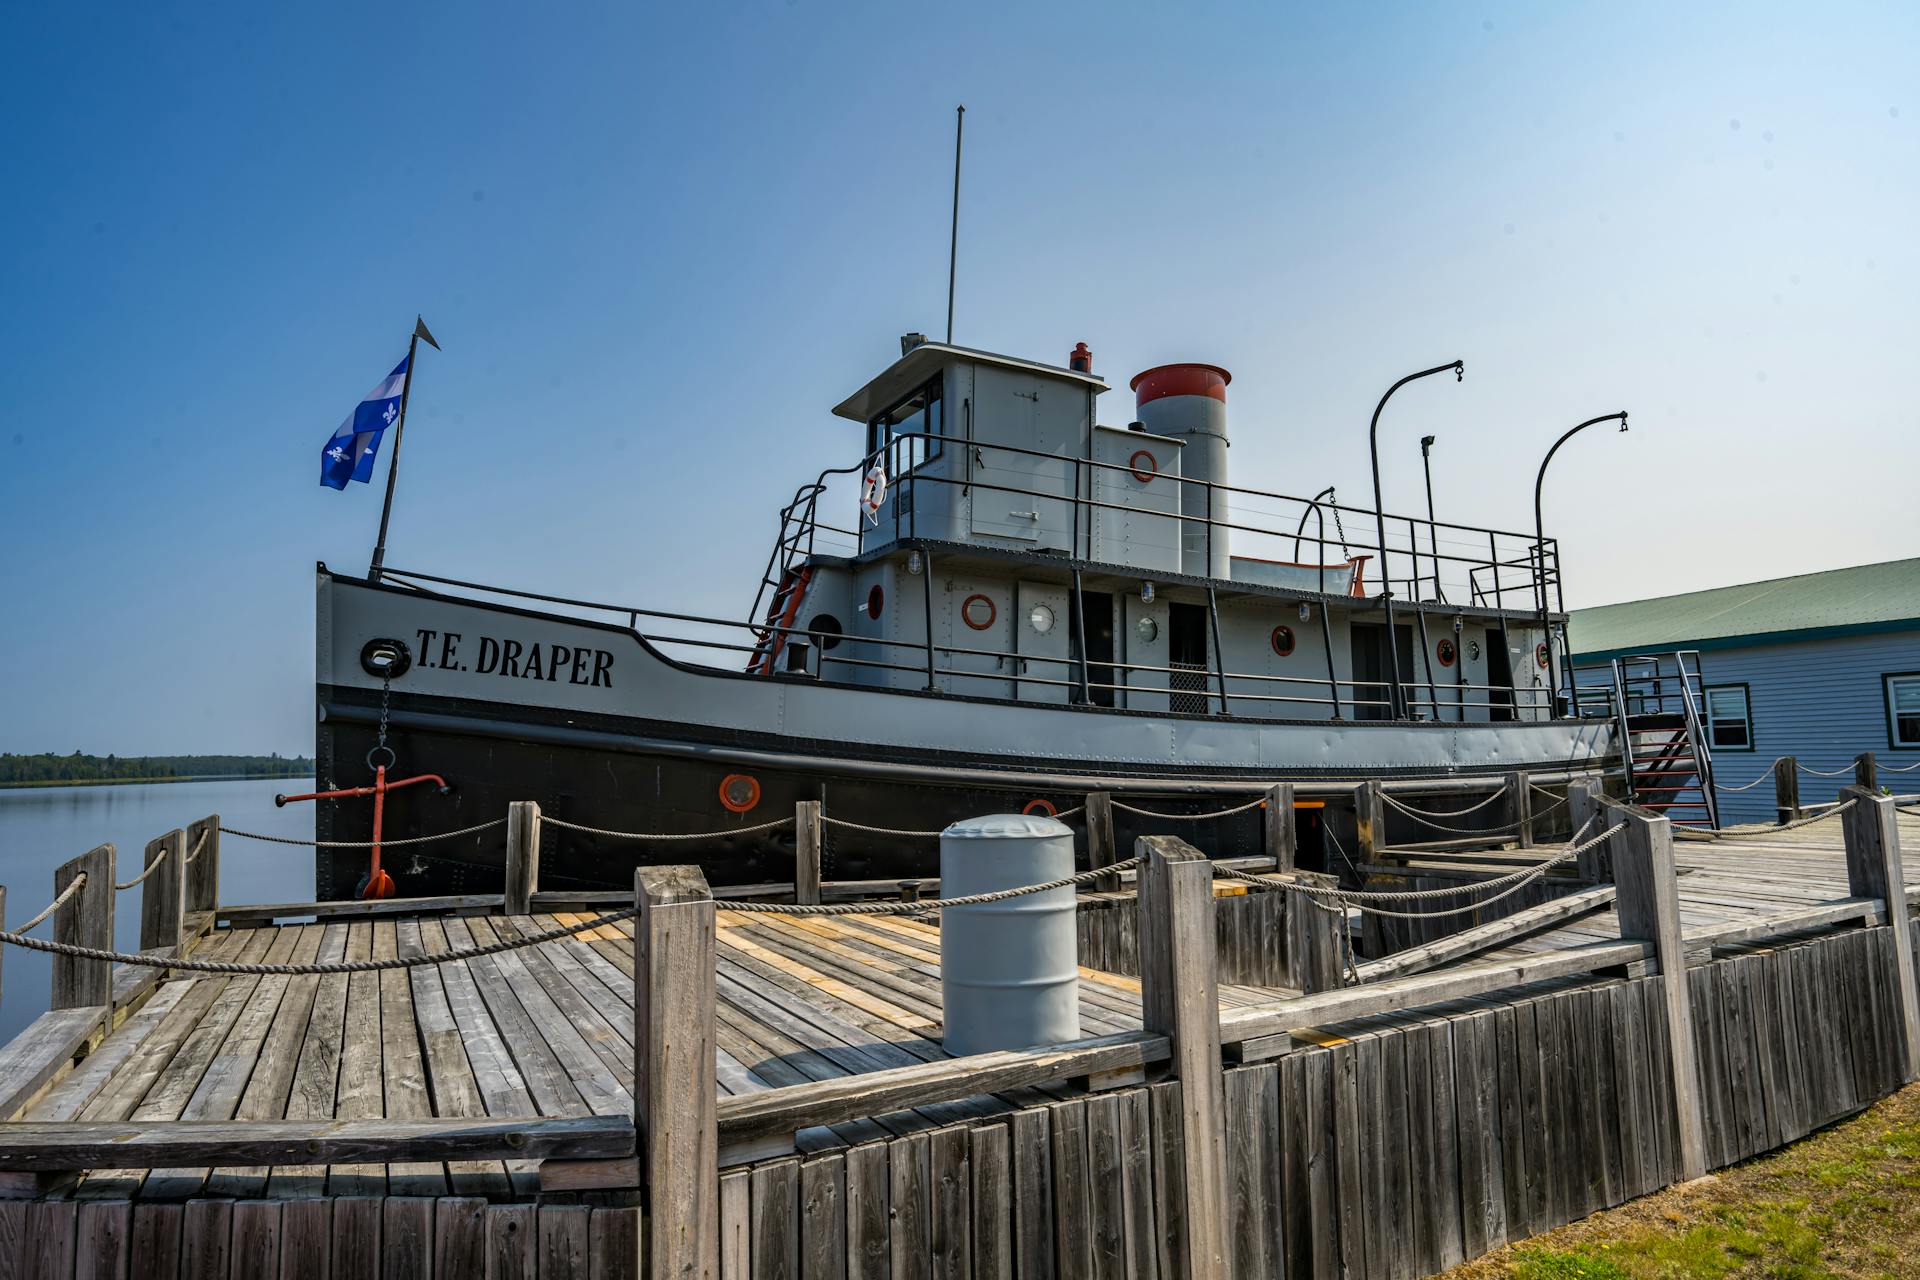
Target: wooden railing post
[1648, 904]
[1874, 870]
[1283, 837]
[1315, 948]
[1786, 789]
[1369, 820]
[1866, 771]
[674, 1099]
[1100, 840]
[1179, 999]
[523, 857]
[1585, 802]
[163, 894]
[808, 834]
[85, 920]
[203, 868]
[1520, 807]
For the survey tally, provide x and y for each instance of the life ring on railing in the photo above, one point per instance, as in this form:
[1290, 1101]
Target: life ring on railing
[873, 492]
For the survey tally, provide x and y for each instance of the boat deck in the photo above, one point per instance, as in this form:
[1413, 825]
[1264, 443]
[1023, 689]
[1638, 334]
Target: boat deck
[545, 1030]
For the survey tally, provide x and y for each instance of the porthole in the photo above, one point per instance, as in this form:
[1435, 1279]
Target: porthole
[739, 792]
[1043, 807]
[876, 601]
[826, 632]
[1446, 651]
[1040, 618]
[1282, 641]
[979, 612]
[1147, 629]
[1540, 653]
[1143, 465]
[1473, 650]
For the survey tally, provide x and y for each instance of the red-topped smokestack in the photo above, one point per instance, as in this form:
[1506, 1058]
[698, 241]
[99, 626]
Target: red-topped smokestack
[1080, 359]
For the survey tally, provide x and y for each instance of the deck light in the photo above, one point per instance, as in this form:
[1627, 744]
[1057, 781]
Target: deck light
[1306, 612]
[914, 563]
[1146, 593]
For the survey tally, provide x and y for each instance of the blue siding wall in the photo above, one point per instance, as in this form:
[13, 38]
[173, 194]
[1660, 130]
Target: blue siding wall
[1820, 701]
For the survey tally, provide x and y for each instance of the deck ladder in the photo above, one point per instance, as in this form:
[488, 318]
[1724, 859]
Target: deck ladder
[1668, 759]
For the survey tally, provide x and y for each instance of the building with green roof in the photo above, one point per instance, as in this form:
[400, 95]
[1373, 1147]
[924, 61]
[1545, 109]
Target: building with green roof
[1819, 666]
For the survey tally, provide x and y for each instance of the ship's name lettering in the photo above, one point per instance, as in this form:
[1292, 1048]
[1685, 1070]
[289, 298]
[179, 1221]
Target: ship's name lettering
[517, 661]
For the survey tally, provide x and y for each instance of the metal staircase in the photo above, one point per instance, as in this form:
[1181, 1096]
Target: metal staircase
[1664, 748]
[787, 576]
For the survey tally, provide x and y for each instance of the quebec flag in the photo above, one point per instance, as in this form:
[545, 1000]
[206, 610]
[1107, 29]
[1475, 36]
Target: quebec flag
[349, 454]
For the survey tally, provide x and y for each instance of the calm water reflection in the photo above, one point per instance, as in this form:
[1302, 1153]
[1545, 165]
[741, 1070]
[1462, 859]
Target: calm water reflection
[42, 827]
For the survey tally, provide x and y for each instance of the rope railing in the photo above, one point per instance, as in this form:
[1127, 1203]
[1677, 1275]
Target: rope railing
[152, 867]
[72, 888]
[1503, 829]
[1696, 833]
[198, 845]
[1765, 777]
[611, 834]
[368, 844]
[1254, 803]
[925, 904]
[1412, 812]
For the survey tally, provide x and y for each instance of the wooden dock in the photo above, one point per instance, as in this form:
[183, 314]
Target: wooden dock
[702, 1091]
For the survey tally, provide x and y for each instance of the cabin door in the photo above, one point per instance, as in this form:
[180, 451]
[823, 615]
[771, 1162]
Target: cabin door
[979, 617]
[1018, 495]
[1042, 638]
[1499, 676]
[1372, 692]
[1096, 607]
[1187, 655]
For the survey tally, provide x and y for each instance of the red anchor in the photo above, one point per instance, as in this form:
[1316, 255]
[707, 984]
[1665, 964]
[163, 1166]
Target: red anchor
[378, 883]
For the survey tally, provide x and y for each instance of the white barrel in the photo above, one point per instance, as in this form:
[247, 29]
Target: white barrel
[1010, 970]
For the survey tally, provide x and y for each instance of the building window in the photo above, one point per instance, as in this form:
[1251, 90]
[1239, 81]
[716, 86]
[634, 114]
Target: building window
[910, 432]
[1903, 710]
[1729, 718]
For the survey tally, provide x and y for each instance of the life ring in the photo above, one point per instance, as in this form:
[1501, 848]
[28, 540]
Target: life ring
[1144, 466]
[873, 492]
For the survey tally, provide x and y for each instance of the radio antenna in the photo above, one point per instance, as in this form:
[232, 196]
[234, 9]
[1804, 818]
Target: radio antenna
[953, 240]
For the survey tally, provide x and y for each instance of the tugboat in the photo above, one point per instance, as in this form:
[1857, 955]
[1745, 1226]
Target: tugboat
[997, 604]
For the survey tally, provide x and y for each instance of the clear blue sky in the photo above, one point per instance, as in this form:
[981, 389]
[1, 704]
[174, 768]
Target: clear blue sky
[658, 246]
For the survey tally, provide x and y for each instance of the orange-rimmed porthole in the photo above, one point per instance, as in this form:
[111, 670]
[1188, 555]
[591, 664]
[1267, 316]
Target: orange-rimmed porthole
[979, 612]
[876, 601]
[1042, 807]
[1540, 653]
[1143, 465]
[1282, 641]
[739, 792]
[1446, 651]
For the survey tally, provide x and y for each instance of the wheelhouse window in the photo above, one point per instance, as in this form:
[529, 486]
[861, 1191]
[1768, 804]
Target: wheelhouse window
[1903, 710]
[1729, 718]
[910, 432]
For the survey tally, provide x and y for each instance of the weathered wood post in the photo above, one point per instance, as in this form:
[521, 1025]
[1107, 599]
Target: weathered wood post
[203, 863]
[523, 857]
[674, 1101]
[1283, 835]
[808, 833]
[84, 920]
[163, 894]
[1786, 789]
[1180, 1000]
[1520, 807]
[1874, 870]
[1100, 841]
[1648, 904]
[1370, 819]
[1314, 945]
[1866, 771]
[1585, 802]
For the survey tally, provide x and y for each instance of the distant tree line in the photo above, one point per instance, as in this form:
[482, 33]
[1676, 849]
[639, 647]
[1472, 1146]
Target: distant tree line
[81, 767]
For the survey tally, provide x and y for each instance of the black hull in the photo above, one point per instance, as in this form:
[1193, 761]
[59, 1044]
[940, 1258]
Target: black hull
[629, 781]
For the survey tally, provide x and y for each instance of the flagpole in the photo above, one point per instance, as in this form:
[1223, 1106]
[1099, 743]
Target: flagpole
[393, 459]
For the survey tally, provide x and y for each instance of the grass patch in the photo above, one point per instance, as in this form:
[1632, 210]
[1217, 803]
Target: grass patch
[1842, 1202]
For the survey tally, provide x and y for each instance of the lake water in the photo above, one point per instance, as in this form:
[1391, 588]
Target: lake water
[42, 827]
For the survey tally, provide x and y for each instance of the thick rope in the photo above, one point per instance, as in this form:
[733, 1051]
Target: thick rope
[929, 904]
[1898, 768]
[1193, 817]
[152, 867]
[1822, 773]
[878, 831]
[1412, 812]
[368, 844]
[72, 888]
[648, 835]
[1502, 829]
[198, 845]
[143, 960]
[1694, 833]
[1748, 786]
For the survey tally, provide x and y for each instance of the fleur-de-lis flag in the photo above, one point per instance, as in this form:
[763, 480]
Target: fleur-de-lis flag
[349, 454]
